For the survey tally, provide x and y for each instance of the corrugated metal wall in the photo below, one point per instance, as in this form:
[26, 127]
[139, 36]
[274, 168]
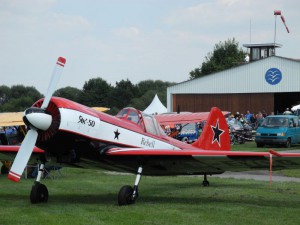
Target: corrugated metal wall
[237, 88]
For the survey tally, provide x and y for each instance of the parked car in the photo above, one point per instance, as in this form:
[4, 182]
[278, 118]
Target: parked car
[189, 132]
[278, 130]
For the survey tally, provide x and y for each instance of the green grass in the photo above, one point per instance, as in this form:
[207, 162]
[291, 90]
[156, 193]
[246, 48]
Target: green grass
[251, 146]
[90, 197]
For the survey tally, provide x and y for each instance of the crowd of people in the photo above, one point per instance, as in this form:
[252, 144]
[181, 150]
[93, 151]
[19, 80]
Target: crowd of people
[252, 119]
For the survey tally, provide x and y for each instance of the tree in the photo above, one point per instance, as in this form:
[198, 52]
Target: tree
[4, 94]
[122, 94]
[20, 90]
[147, 90]
[95, 93]
[143, 101]
[156, 85]
[18, 98]
[17, 104]
[224, 56]
[69, 93]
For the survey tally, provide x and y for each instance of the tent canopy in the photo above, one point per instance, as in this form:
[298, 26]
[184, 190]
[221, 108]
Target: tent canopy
[11, 119]
[155, 107]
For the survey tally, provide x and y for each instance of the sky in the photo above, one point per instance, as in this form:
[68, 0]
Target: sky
[131, 39]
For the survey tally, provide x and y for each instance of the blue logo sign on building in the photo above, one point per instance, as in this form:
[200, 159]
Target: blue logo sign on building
[273, 76]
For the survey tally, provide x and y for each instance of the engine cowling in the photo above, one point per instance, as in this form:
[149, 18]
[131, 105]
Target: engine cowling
[37, 118]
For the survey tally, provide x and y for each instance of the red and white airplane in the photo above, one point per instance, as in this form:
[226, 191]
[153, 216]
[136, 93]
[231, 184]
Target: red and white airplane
[76, 135]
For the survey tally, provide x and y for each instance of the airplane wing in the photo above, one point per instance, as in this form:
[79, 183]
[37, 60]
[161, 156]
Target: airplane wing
[9, 152]
[193, 162]
[11, 119]
[101, 109]
[182, 118]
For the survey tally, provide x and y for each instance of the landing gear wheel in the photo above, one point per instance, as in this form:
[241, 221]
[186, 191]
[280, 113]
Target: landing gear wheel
[288, 143]
[125, 195]
[39, 193]
[205, 183]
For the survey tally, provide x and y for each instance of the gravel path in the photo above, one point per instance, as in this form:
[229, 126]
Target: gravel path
[257, 175]
[263, 175]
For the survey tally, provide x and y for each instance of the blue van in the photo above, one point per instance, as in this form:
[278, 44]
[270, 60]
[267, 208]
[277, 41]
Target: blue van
[278, 130]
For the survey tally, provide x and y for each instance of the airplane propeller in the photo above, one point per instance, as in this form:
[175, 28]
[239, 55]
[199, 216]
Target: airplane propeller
[36, 119]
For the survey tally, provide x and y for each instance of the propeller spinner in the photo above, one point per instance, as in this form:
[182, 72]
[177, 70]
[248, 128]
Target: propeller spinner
[36, 119]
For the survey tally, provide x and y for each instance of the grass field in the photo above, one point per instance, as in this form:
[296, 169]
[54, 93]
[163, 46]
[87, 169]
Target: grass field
[90, 197]
[251, 146]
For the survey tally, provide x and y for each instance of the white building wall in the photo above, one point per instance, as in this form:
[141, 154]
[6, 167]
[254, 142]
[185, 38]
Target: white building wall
[247, 78]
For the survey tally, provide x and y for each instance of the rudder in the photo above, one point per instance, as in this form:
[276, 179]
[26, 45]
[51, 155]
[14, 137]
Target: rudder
[215, 135]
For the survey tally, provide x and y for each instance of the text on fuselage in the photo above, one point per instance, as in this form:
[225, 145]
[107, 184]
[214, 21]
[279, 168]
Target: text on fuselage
[147, 143]
[85, 121]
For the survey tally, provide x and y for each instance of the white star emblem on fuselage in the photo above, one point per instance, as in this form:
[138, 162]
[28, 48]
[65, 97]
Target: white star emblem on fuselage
[217, 133]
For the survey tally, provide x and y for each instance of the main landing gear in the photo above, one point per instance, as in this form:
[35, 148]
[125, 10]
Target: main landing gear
[127, 195]
[39, 192]
[205, 182]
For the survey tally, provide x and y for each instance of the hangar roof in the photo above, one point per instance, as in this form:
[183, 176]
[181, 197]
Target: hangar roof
[269, 75]
[262, 45]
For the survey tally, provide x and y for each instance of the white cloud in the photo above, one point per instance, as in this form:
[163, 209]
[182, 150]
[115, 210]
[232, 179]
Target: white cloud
[127, 32]
[65, 23]
[27, 6]
[222, 12]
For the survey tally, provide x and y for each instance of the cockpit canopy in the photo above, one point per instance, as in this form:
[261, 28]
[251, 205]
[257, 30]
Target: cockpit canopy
[147, 122]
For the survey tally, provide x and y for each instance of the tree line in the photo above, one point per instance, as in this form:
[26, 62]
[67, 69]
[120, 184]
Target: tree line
[96, 92]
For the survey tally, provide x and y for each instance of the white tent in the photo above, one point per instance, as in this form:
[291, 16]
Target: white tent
[155, 107]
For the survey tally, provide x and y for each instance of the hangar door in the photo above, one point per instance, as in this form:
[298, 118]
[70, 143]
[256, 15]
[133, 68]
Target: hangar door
[285, 100]
[255, 102]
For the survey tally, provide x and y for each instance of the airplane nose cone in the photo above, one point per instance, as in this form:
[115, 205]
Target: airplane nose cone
[37, 118]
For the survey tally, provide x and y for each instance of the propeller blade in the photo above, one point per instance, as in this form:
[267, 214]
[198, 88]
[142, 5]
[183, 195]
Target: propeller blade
[54, 80]
[23, 155]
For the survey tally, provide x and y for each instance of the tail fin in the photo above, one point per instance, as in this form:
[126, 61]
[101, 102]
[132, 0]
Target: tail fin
[215, 135]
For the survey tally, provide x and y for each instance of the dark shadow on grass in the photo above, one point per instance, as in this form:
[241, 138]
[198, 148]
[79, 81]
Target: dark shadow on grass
[204, 200]
[102, 199]
[166, 192]
[111, 199]
[146, 198]
[216, 183]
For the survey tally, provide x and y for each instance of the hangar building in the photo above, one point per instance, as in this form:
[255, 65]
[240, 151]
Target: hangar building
[267, 83]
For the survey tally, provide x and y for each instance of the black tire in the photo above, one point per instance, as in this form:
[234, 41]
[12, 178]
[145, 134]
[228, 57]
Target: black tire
[125, 195]
[4, 170]
[288, 143]
[205, 183]
[39, 194]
